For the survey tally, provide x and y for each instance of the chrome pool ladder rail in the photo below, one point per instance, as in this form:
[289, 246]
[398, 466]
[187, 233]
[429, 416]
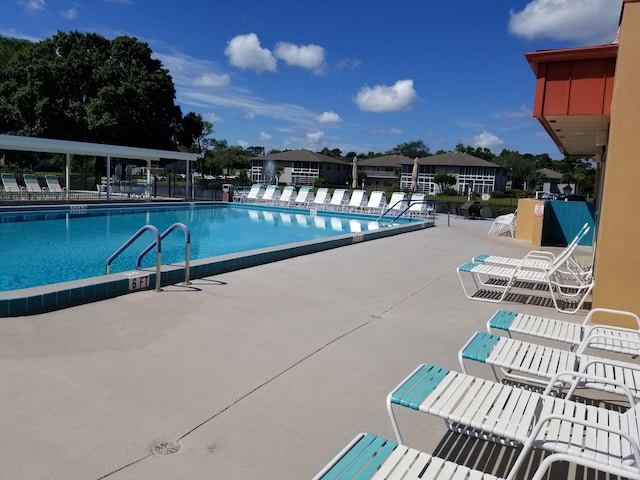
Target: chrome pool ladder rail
[187, 239]
[158, 244]
[132, 239]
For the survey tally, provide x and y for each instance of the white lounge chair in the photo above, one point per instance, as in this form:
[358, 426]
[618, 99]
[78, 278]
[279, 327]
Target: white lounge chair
[53, 185]
[371, 457]
[339, 199]
[255, 194]
[541, 258]
[518, 416]
[418, 205]
[397, 204]
[304, 197]
[271, 195]
[322, 198]
[11, 186]
[614, 339]
[287, 196]
[533, 363]
[358, 201]
[568, 288]
[503, 224]
[377, 203]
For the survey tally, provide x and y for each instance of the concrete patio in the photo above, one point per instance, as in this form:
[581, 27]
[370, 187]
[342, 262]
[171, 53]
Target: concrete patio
[259, 373]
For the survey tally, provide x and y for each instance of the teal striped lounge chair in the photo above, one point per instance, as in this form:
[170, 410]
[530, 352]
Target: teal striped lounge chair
[568, 288]
[585, 433]
[370, 457]
[287, 196]
[533, 363]
[540, 258]
[614, 339]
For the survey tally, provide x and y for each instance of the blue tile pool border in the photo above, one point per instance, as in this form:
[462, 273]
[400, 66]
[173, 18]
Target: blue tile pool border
[32, 301]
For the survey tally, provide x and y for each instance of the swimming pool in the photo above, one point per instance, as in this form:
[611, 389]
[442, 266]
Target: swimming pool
[46, 250]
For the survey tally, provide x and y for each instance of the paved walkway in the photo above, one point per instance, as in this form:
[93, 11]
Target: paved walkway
[260, 373]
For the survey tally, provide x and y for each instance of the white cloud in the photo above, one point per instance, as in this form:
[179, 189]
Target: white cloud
[348, 64]
[581, 21]
[395, 131]
[212, 118]
[264, 136]
[310, 57]
[70, 13]
[242, 143]
[212, 80]
[244, 51]
[486, 140]
[315, 139]
[33, 5]
[329, 117]
[383, 98]
[524, 113]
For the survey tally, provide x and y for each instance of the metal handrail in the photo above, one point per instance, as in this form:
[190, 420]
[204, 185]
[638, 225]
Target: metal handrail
[410, 203]
[133, 238]
[187, 237]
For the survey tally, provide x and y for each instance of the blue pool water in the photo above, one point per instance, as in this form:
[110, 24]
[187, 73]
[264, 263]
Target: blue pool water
[52, 248]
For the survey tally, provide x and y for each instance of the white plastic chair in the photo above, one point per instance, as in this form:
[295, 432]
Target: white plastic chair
[534, 363]
[339, 199]
[371, 457]
[322, 198]
[287, 196]
[503, 224]
[305, 197]
[358, 201]
[517, 416]
[614, 339]
[377, 203]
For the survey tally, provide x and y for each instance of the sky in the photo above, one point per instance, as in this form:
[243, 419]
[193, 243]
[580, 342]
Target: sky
[355, 75]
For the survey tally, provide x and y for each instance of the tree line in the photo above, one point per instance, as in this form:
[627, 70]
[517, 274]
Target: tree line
[84, 87]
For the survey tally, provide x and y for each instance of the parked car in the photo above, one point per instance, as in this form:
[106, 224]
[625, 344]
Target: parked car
[572, 197]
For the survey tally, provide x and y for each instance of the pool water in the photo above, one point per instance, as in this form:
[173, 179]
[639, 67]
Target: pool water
[64, 247]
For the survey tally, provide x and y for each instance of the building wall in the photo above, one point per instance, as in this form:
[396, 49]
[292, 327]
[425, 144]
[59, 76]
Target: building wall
[617, 263]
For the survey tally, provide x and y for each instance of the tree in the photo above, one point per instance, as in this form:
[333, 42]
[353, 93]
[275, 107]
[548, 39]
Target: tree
[478, 152]
[84, 87]
[444, 180]
[413, 149]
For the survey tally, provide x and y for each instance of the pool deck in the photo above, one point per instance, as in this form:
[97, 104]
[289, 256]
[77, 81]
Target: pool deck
[265, 372]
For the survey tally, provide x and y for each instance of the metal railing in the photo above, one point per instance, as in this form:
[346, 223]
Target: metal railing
[158, 244]
[187, 238]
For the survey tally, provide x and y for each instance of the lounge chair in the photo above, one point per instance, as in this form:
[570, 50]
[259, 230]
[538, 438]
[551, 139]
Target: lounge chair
[322, 198]
[271, 195]
[288, 195]
[11, 185]
[418, 205]
[517, 416]
[371, 457]
[304, 197]
[377, 203]
[534, 363]
[33, 185]
[568, 288]
[618, 339]
[358, 201]
[503, 224]
[396, 205]
[541, 258]
[339, 199]
[255, 194]
[53, 186]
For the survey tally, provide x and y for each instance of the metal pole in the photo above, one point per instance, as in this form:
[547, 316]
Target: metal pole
[108, 177]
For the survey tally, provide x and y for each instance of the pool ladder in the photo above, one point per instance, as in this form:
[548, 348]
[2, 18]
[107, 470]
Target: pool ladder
[158, 244]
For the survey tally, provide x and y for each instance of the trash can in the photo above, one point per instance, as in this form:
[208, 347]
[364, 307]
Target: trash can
[227, 189]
